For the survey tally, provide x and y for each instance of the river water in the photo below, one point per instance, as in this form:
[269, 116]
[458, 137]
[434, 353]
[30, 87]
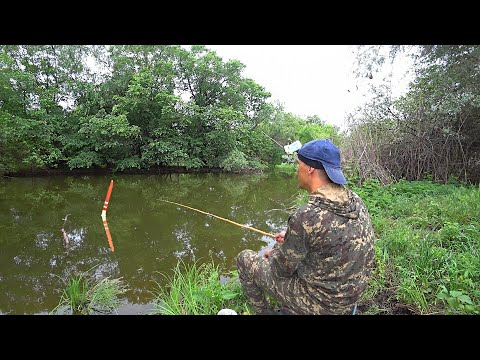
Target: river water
[51, 230]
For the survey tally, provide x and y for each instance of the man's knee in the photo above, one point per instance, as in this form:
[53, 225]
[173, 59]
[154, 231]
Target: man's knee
[243, 259]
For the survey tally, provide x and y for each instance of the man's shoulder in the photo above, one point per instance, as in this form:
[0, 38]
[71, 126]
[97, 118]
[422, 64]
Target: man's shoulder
[309, 213]
[299, 214]
[303, 210]
[355, 196]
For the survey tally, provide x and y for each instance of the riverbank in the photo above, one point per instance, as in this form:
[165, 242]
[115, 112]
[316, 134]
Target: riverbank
[106, 171]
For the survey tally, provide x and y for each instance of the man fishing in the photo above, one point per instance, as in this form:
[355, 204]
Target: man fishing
[322, 263]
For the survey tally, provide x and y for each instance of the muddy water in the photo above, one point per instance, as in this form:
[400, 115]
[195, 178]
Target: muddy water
[149, 236]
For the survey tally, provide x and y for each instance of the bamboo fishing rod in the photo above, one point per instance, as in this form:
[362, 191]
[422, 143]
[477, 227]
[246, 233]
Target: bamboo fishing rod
[218, 217]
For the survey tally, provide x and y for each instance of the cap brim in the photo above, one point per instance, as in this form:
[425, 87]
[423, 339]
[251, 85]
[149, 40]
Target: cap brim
[336, 175]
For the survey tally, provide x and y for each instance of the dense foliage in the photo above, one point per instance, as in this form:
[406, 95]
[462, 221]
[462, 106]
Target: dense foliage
[138, 107]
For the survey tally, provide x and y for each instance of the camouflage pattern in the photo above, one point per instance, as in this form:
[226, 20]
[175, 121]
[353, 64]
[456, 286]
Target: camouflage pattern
[325, 262]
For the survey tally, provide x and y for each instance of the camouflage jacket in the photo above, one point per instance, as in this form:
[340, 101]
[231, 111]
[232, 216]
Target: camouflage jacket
[329, 245]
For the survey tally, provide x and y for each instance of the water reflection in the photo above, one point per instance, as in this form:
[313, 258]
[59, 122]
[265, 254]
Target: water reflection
[50, 230]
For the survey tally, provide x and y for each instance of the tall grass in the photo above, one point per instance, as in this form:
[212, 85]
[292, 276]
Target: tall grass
[195, 289]
[85, 296]
[428, 244]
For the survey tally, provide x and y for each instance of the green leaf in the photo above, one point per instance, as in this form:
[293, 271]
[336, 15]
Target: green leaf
[455, 293]
[229, 295]
[452, 302]
[465, 299]
[442, 296]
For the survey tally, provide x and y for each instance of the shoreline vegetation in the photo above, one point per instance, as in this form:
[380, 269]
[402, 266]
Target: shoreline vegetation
[283, 168]
[107, 171]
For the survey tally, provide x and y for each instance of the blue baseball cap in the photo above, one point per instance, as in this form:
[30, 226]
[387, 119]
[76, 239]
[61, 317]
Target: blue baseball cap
[323, 154]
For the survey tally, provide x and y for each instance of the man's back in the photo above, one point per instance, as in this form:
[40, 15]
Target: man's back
[333, 236]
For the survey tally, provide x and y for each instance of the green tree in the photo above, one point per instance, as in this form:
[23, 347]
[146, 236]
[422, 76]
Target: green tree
[37, 82]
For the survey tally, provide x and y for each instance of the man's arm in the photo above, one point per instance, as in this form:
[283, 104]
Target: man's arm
[285, 259]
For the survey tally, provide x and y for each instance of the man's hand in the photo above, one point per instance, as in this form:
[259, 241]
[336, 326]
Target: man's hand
[280, 237]
[267, 252]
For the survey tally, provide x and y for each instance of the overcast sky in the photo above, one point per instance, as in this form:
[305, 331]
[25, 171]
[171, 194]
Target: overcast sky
[306, 79]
